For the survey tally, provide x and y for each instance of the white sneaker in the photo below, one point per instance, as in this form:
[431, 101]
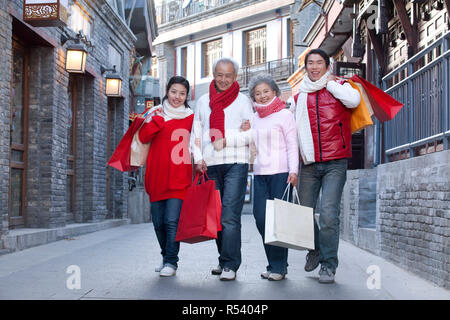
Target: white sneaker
[227, 274]
[265, 274]
[158, 269]
[167, 271]
[276, 277]
[217, 270]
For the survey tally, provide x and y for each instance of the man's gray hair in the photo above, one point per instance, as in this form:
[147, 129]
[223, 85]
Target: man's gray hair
[262, 78]
[227, 60]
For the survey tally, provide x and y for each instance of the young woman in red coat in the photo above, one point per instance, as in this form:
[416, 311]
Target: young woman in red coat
[169, 167]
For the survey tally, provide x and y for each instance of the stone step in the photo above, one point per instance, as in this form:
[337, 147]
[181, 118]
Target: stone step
[20, 239]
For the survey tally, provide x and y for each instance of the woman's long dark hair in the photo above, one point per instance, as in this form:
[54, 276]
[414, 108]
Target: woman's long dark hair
[179, 80]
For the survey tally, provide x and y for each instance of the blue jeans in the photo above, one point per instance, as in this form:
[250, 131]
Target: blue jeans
[330, 176]
[231, 181]
[165, 216]
[268, 187]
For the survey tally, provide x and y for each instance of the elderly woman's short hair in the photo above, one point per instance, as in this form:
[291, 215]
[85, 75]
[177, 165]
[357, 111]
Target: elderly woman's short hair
[262, 78]
[226, 60]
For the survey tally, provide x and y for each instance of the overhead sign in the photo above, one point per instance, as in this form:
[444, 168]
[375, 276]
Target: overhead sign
[46, 13]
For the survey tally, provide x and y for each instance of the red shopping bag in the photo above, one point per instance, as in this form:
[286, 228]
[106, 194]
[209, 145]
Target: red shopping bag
[200, 213]
[120, 158]
[384, 106]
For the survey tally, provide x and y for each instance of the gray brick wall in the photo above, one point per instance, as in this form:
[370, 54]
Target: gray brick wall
[5, 101]
[412, 214]
[47, 140]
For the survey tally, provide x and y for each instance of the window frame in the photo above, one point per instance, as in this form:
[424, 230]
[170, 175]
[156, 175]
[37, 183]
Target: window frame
[246, 46]
[205, 65]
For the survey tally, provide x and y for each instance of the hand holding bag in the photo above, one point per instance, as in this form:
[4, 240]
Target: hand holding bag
[360, 117]
[125, 158]
[289, 225]
[120, 158]
[200, 213]
[384, 106]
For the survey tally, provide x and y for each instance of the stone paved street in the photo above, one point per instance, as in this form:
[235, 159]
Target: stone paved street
[118, 263]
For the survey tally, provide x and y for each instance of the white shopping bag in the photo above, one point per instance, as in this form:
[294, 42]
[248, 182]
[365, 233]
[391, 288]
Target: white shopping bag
[288, 224]
[139, 151]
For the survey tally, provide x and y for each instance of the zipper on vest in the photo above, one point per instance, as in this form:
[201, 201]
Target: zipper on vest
[342, 135]
[318, 124]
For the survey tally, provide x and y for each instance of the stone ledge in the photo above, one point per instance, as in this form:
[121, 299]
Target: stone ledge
[21, 239]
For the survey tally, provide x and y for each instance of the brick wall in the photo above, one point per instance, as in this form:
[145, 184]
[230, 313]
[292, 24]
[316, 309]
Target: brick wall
[46, 204]
[412, 214]
[5, 101]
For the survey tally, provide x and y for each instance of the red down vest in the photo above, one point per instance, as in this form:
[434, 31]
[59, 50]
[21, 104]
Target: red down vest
[330, 126]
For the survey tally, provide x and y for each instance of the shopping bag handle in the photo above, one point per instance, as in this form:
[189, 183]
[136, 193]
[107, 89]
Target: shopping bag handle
[202, 175]
[294, 194]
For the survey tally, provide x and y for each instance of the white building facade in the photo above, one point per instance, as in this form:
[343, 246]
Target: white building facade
[257, 34]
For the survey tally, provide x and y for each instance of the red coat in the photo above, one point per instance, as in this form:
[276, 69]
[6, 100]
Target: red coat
[330, 126]
[169, 167]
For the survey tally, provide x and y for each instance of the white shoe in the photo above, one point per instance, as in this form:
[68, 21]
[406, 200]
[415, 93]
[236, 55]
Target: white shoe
[158, 269]
[276, 277]
[227, 274]
[167, 271]
[265, 275]
[217, 270]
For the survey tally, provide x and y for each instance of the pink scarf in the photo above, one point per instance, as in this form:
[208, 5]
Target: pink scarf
[274, 106]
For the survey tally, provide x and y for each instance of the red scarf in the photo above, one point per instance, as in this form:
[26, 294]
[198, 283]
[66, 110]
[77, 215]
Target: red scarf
[276, 105]
[218, 101]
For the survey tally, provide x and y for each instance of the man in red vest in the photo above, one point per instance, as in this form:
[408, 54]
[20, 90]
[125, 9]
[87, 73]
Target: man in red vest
[322, 110]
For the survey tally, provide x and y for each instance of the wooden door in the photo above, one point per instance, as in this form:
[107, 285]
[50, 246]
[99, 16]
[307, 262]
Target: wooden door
[18, 134]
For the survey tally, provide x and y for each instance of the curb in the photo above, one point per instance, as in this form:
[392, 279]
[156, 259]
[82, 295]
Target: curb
[20, 239]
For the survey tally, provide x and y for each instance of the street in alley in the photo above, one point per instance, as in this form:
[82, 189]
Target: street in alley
[119, 263]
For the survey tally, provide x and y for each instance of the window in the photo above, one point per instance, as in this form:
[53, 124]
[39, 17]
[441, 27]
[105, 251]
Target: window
[212, 51]
[256, 46]
[154, 68]
[184, 62]
[80, 21]
[115, 58]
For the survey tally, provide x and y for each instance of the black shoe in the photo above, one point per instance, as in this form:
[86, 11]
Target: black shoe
[312, 260]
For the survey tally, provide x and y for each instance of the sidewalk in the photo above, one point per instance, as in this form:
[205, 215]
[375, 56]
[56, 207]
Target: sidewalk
[118, 263]
[24, 238]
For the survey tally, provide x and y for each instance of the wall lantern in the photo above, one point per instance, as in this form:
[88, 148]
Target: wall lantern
[113, 86]
[46, 13]
[76, 58]
[76, 53]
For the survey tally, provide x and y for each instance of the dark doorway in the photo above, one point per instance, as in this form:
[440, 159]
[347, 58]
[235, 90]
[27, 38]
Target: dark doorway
[18, 133]
[348, 69]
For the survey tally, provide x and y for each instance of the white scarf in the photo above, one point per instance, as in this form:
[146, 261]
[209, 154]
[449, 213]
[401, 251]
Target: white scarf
[302, 118]
[171, 113]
